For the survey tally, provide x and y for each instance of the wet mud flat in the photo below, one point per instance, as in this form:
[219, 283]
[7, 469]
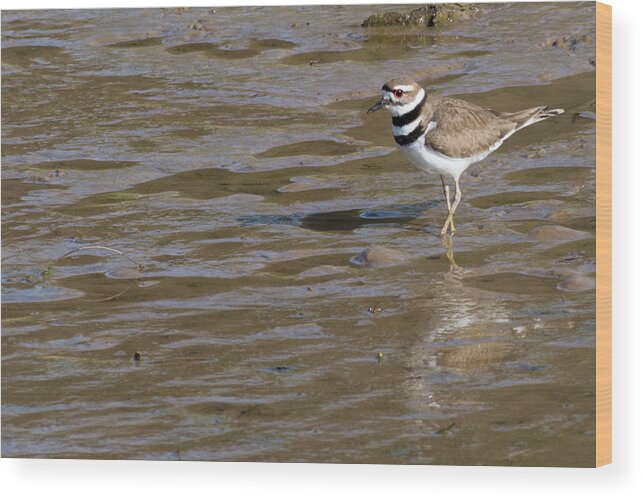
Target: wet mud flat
[280, 276]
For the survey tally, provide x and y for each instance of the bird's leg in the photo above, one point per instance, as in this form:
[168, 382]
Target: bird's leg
[456, 202]
[445, 186]
[452, 208]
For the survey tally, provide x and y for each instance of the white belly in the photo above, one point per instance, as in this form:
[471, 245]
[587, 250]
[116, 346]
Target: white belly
[430, 160]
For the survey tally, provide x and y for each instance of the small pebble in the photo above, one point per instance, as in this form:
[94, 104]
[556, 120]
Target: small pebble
[555, 233]
[379, 256]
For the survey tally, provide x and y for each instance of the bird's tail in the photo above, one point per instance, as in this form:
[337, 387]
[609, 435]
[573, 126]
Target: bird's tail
[533, 115]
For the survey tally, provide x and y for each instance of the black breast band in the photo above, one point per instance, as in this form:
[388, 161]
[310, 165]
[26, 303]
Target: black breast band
[404, 140]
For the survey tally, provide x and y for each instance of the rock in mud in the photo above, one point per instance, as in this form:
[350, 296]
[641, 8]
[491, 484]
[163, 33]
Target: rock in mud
[430, 15]
[578, 283]
[569, 214]
[475, 355]
[571, 280]
[555, 233]
[379, 256]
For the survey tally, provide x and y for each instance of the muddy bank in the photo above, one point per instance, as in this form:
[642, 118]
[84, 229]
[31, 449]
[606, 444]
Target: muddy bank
[431, 15]
[294, 302]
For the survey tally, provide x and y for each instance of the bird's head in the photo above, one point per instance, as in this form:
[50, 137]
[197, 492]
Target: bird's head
[399, 96]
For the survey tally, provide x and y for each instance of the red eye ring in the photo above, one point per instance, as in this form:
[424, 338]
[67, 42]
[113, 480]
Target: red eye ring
[399, 93]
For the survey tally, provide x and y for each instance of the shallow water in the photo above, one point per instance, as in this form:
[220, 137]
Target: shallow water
[228, 156]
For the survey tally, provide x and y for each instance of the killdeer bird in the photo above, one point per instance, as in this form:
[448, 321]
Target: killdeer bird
[446, 135]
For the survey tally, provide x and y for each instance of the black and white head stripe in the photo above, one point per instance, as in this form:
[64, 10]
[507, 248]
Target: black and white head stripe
[411, 116]
[407, 126]
[399, 109]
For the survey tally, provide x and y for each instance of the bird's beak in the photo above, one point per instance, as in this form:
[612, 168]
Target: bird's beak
[376, 107]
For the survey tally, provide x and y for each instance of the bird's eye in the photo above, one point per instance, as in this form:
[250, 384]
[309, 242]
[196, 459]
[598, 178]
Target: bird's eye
[399, 93]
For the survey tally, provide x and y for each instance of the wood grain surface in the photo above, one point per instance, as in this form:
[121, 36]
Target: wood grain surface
[603, 234]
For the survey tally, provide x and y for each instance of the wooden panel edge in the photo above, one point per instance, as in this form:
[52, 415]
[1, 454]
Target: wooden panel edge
[603, 234]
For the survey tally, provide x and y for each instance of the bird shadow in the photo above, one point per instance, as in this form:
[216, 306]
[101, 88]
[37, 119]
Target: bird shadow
[345, 220]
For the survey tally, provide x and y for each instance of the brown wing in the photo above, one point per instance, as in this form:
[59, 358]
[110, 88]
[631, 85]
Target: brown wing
[464, 129]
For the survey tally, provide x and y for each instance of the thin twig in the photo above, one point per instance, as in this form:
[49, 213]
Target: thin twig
[107, 248]
[445, 429]
[134, 281]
